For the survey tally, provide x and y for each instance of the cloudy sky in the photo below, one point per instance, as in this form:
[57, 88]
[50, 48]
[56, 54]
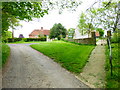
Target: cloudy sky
[67, 19]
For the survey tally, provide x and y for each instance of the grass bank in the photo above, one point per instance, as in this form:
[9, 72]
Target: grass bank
[5, 54]
[71, 56]
[113, 81]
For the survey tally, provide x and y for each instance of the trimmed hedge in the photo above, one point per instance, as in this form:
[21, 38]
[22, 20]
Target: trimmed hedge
[25, 39]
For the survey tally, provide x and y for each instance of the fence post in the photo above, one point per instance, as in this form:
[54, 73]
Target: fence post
[93, 36]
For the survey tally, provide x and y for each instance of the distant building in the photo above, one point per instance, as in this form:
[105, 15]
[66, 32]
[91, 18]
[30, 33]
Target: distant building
[39, 32]
[21, 36]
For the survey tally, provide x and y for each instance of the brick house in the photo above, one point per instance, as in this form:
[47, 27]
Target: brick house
[39, 32]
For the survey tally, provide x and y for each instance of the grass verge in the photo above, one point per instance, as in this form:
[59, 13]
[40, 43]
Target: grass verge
[113, 81]
[71, 56]
[5, 54]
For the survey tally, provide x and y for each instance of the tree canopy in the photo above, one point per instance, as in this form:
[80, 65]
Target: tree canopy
[58, 31]
[105, 17]
[71, 32]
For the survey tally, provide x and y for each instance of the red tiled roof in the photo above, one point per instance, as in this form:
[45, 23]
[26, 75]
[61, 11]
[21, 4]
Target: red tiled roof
[38, 32]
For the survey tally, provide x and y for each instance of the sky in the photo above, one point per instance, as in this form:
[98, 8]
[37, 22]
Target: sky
[67, 19]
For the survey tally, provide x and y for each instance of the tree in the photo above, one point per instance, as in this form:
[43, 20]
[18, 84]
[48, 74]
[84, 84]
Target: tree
[82, 24]
[58, 31]
[8, 34]
[85, 24]
[105, 17]
[108, 16]
[14, 11]
[71, 32]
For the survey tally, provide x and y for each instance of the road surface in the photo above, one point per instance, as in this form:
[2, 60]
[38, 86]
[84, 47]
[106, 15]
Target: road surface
[28, 68]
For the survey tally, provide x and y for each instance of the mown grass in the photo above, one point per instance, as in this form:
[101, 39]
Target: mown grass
[5, 54]
[71, 56]
[113, 81]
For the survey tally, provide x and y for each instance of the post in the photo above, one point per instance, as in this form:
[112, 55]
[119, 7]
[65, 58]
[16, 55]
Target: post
[93, 36]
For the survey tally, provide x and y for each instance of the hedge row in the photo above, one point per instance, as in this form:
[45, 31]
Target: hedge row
[25, 39]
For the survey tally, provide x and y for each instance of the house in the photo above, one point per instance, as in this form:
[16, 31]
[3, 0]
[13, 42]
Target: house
[21, 36]
[39, 33]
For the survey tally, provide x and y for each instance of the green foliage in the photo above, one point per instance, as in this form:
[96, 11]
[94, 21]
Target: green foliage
[115, 38]
[25, 39]
[101, 32]
[58, 31]
[71, 32]
[5, 53]
[73, 57]
[106, 15]
[113, 81]
[85, 24]
[12, 12]
[6, 35]
[82, 24]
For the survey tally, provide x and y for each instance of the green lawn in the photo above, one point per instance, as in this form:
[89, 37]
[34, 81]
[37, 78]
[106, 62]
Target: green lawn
[5, 54]
[71, 56]
[113, 81]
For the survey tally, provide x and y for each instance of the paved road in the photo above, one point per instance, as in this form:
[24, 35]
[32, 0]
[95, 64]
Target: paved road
[28, 68]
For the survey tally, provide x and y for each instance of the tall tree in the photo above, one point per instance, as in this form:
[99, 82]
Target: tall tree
[82, 24]
[70, 33]
[85, 24]
[58, 31]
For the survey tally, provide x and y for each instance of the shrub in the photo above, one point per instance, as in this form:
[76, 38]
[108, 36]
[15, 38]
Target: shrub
[115, 38]
[5, 54]
[26, 39]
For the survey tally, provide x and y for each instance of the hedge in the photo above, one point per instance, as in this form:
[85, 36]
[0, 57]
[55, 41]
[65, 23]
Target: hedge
[25, 39]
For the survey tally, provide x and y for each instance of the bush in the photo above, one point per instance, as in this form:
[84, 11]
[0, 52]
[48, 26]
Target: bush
[26, 39]
[112, 81]
[5, 54]
[115, 38]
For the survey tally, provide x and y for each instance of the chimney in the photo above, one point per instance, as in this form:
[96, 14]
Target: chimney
[41, 28]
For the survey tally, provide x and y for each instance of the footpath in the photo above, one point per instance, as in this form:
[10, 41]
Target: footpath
[93, 73]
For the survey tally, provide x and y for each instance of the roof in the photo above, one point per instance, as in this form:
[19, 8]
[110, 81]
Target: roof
[38, 32]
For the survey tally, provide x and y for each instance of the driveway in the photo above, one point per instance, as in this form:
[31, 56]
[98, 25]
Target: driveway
[28, 68]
